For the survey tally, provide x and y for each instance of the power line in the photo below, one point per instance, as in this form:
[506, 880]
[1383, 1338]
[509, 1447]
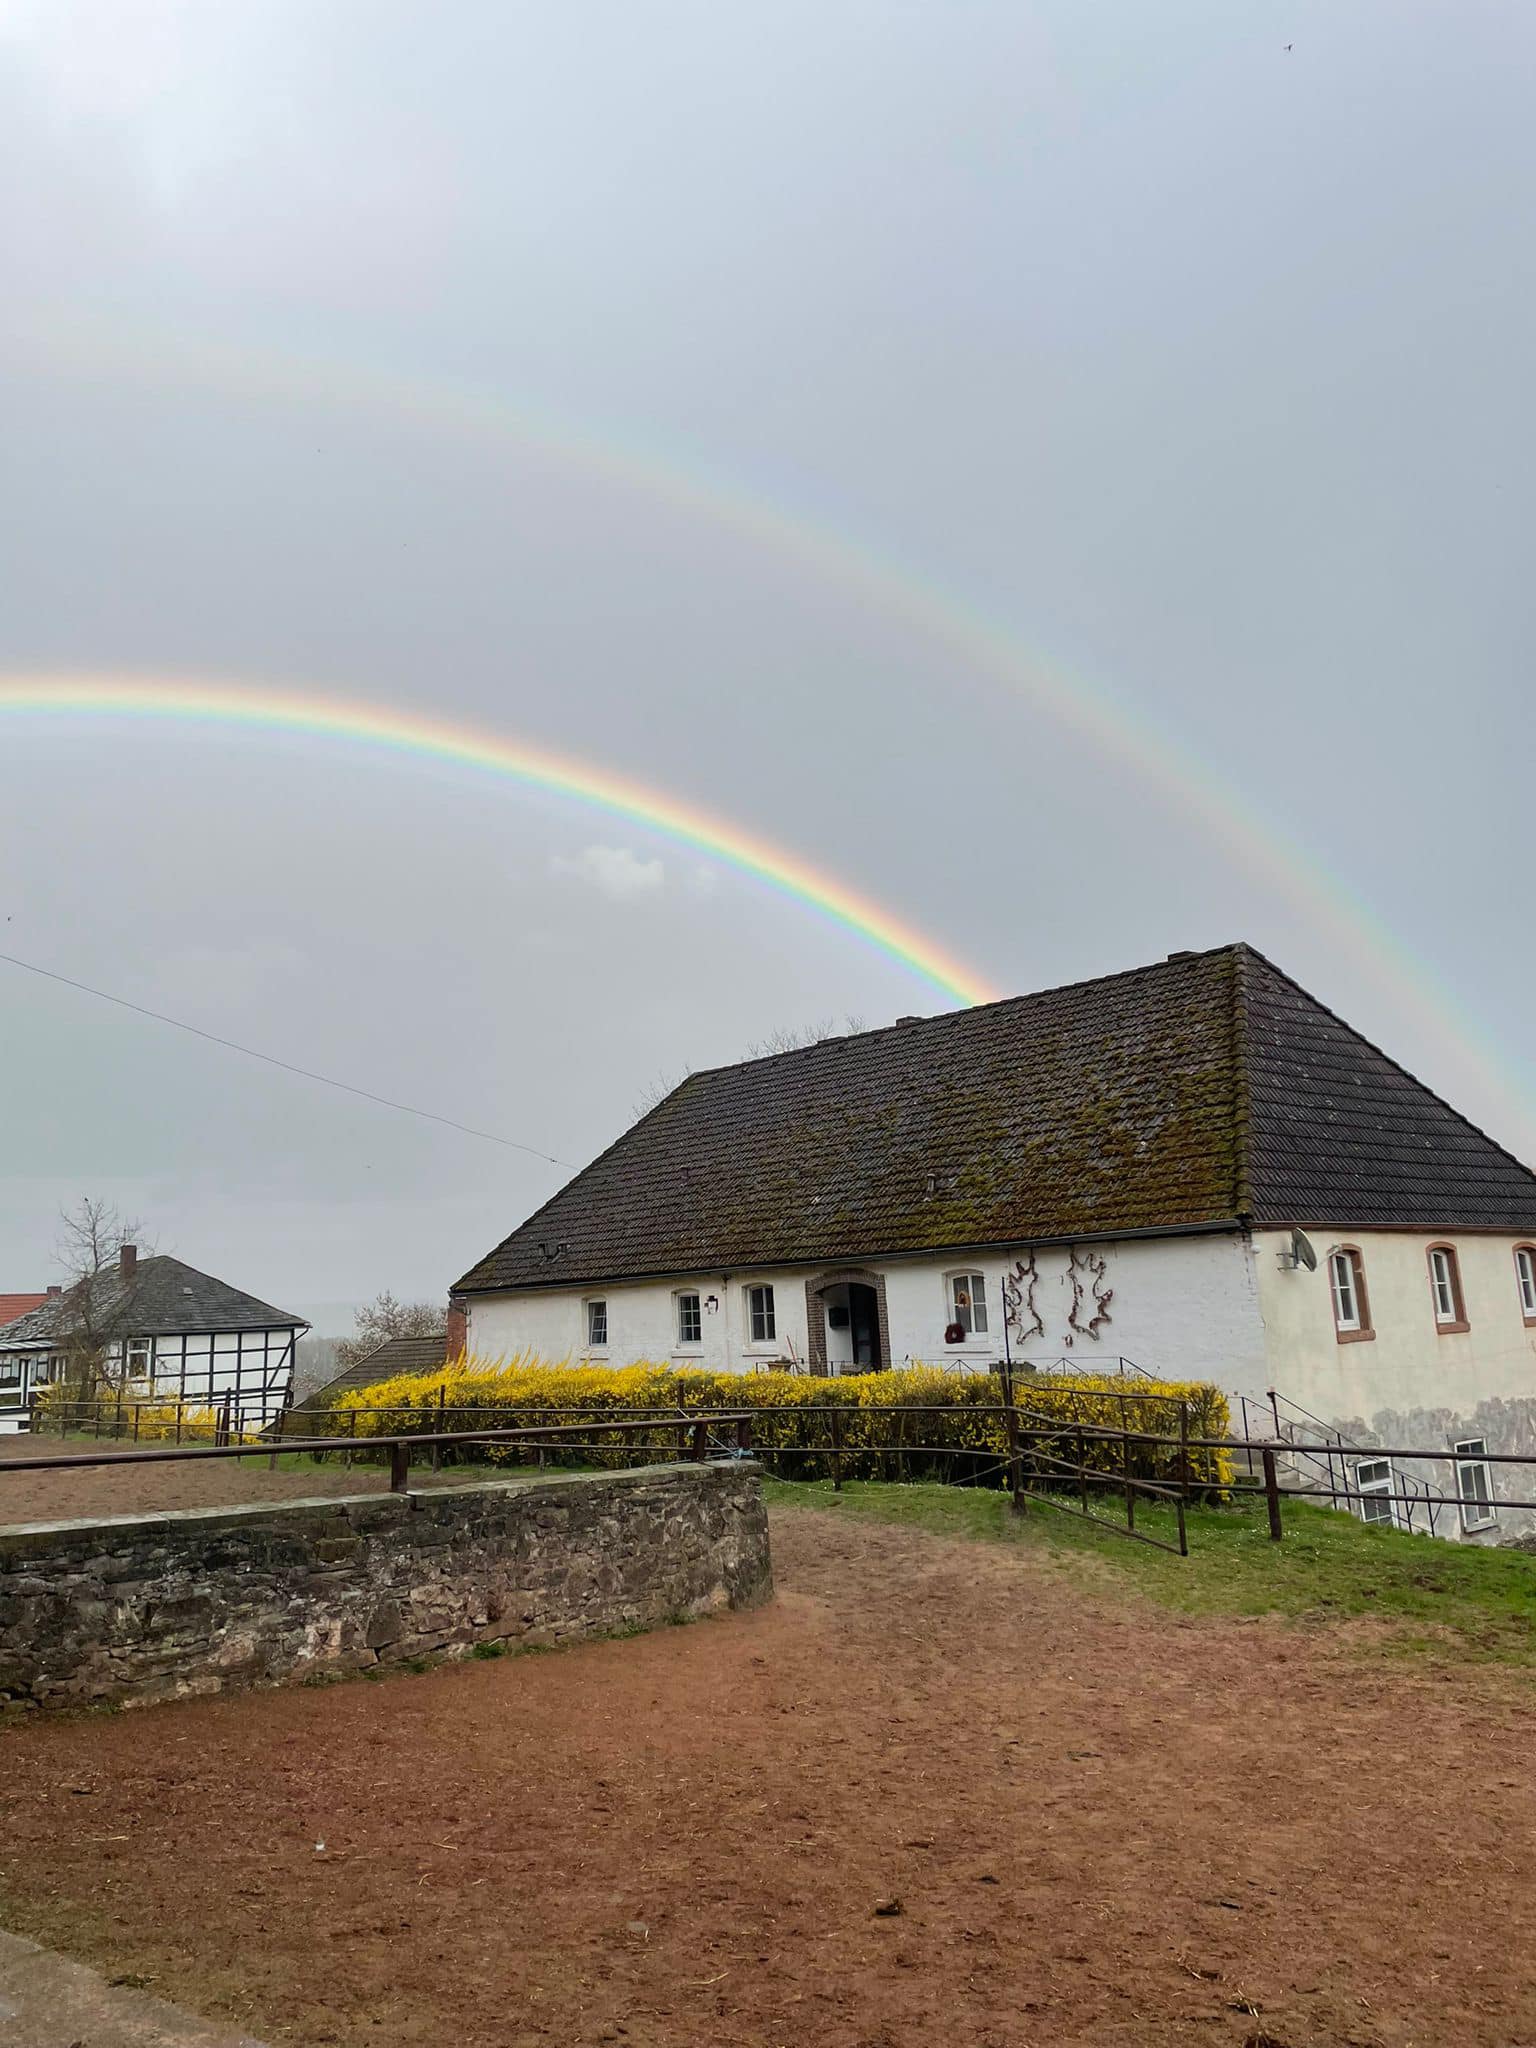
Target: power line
[270, 1059]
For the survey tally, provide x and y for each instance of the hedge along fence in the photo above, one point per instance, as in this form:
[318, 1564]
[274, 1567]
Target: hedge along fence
[882, 1434]
[144, 1421]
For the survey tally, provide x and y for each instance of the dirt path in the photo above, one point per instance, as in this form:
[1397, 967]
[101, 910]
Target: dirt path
[1103, 1825]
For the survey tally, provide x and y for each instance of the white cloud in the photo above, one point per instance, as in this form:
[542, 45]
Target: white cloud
[613, 871]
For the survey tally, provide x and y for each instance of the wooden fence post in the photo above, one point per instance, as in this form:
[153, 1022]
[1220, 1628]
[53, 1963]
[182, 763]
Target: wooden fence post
[1272, 1497]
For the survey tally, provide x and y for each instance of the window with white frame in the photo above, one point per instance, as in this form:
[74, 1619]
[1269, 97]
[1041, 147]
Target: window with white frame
[1346, 1277]
[10, 1370]
[690, 1323]
[762, 1326]
[1445, 1287]
[1374, 1484]
[1525, 1275]
[141, 1352]
[968, 1302]
[1474, 1483]
[597, 1325]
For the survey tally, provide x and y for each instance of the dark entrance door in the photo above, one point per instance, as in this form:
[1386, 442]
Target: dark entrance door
[864, 1326]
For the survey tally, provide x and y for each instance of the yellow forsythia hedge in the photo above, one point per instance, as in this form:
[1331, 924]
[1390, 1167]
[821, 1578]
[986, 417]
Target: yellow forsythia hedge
[880, 1439]
[145, 1422]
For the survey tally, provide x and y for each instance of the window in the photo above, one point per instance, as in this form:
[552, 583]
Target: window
[1474, 1484]
[1445, 1288]
[690, 1326]
[968, 1301]
[42, 1371]
[597, 1325]
[1351, 1311]
[1525, 1274]
[760, 1317]
[1373, 1483]
[10, 1371]
[140, 1352]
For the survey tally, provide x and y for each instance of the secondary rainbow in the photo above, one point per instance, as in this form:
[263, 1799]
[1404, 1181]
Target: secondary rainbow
[203, 702]
[989, 652]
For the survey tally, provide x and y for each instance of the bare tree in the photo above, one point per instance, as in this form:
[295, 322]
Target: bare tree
[98, 1294]
[383, 1318]
[656, 1092]
[795, 1037]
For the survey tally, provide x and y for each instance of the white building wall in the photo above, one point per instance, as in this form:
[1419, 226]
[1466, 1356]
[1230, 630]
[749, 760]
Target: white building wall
[1184, 1307]
[1411, 1384]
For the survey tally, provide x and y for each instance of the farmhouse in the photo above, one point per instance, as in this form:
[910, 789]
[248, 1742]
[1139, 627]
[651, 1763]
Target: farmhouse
[1193, 1166]
[169, 1333]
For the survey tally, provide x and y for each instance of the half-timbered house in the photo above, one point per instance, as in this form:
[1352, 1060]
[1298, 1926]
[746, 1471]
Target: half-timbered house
[166, 1332]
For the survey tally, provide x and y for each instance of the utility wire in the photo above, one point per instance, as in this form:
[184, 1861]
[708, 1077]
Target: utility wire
[307, 1073]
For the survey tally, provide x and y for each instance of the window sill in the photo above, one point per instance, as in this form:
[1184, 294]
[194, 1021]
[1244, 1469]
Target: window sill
[1355, 1336]
[1452, 1329]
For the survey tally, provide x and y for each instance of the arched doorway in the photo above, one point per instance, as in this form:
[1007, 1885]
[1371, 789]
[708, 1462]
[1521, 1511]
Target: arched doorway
[846, 1322]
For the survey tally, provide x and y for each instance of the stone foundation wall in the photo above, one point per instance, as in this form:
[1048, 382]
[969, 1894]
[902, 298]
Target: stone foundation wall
[208, 1599]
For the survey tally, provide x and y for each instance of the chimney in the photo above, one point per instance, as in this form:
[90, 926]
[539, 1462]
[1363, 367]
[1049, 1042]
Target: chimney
[458, 1328]
[127, 1260]
[54, 1293]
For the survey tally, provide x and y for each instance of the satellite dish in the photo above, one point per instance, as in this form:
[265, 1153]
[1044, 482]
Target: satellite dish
[1302, 1252]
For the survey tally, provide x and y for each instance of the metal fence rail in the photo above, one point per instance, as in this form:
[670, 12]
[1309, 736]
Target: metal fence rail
[689, 1439]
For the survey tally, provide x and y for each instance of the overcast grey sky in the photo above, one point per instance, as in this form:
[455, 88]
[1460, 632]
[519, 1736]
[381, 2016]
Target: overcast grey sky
[1197, 364]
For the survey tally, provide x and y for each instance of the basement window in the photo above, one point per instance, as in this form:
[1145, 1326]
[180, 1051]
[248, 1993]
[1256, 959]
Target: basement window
[968, 1302]
[597, 1325]
[690, 1324]
[1445, 1289]
[1374, 1485]
[1474, 1484]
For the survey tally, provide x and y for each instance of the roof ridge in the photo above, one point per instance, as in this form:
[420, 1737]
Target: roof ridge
[966, 1010]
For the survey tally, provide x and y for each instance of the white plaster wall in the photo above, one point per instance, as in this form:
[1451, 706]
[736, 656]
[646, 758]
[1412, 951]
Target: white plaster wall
[1185, 1307]
[1409, 1365]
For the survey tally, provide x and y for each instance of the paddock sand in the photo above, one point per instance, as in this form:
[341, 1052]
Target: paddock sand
[1100, 1823]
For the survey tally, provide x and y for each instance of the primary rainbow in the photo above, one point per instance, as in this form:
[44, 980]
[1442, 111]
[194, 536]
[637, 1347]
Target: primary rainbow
[230, 703]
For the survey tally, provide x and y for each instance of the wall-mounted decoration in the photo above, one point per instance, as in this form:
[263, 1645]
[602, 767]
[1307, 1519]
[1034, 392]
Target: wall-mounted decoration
[954, 1333]
[1019, 1286]
[1085, 1274]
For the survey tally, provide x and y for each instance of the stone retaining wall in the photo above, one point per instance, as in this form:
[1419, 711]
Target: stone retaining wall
[208, 1599]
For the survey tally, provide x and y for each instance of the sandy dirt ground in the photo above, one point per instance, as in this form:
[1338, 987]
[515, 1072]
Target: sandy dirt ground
[937, 1792]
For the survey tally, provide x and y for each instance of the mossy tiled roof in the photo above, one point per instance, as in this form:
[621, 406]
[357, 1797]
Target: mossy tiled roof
[1203, 1091]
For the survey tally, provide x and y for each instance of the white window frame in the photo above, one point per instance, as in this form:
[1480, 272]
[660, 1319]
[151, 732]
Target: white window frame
[761, 1314]
[1445, 1286]
[972, 1283]
[1383, 1480]
[138, 1352]
[594, 1308]
[696, 1341]
[1477, 1510]
[1342, 1263]
[1525, 1280]
[10, 1370]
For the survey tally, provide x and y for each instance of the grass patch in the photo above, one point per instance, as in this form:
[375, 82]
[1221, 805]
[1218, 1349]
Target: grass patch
[1329, 1567]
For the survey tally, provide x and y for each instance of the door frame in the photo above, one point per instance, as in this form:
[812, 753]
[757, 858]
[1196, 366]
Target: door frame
[816, 1313]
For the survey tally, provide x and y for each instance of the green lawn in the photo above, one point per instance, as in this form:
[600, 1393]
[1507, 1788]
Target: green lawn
[1329, 1566]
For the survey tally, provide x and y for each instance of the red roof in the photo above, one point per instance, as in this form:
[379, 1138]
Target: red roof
[14, 1305]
